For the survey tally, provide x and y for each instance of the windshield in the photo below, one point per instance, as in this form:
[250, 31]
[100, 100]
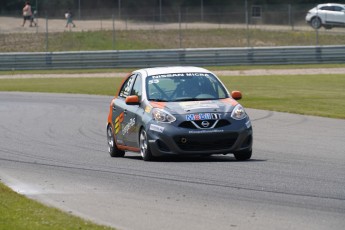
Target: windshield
[184, 87]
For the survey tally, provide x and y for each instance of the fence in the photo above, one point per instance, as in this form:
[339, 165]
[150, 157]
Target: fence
[151, 58]
[247, 24]
[288, 15]
[162, 11]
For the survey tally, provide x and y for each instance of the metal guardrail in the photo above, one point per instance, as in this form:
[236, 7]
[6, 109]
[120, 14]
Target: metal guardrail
[151, 58]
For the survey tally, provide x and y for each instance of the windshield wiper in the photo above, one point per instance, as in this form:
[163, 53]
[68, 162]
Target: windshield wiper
[186, 99]
[195, 99]
[158, 100]
[206, 99]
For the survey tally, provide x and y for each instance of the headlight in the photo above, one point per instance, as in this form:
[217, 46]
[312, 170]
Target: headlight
[238, 112]
[161, 115]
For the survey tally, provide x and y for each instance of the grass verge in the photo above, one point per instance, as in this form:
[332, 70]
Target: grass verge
[19, 212]
[320, 95]
[163, 39]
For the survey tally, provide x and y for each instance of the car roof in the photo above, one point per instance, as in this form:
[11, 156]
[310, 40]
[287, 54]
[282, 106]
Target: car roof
[171, 69]
[331, 4]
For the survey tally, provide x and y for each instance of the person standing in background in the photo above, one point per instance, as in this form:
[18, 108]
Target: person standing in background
[27, 13]
[69, 18]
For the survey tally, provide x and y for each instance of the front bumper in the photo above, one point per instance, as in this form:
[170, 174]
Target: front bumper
[172, 140]
[308, 18]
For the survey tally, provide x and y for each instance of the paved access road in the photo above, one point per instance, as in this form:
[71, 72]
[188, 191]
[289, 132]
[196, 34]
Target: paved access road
[53, 148]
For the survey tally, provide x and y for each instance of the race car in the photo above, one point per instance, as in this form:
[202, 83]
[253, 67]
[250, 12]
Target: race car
[177, 111]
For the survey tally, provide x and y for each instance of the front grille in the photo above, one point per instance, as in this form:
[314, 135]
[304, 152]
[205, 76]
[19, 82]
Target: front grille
[206, 142]
[222, 123]
[187, 125]
[190, 125]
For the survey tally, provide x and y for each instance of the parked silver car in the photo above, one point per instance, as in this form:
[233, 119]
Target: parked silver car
[328, 15]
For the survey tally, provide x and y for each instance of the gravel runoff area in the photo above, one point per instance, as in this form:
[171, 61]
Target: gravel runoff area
[14, 25]
[254, 72]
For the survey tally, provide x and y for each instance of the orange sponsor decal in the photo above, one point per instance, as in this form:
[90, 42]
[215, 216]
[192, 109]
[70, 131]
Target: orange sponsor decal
[159, 105]
[117, 122]
[229, 101]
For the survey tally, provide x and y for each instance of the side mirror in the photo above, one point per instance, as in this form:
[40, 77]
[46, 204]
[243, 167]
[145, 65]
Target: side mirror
[237, 95]
[132, 100]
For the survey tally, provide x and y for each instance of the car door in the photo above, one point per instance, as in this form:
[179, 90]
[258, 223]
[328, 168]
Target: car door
[338, 15]
[335, 15]
[132, 116]
[125, 118]
[119, 114]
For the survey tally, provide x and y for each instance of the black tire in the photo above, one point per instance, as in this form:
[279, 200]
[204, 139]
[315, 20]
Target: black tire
[145, 151]
[243, 155]
[112, 148]
[315, 23]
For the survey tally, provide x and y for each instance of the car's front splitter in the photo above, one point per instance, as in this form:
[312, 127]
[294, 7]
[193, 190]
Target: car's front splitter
[170, 140]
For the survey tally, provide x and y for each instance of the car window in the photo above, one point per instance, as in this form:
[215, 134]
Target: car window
[329, 8]
[338, 8]
[184, 86]
[137, 87]
[127, 86]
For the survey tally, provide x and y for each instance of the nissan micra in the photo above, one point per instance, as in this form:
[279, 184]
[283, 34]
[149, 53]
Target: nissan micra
[177, 111]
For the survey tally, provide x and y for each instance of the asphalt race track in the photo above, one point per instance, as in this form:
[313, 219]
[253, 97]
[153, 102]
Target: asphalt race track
[53, 148]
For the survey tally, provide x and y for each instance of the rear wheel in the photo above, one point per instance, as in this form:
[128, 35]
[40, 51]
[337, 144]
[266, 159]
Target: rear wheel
[316, 23]
[112, 148]
[243, 155]
[145, 151]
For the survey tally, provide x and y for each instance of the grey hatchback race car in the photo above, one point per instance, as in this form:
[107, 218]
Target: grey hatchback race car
[177, 111]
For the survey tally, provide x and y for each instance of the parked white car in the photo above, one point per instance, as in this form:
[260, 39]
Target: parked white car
[328, 15]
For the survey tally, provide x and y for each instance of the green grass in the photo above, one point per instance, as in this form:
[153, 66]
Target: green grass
[101, 40]
[288, 66]
[98, 86]
[69, 71]
[320, 95]
[19, 212]
[162, 39]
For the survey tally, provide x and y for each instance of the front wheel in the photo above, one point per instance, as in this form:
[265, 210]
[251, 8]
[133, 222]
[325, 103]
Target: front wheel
[316, 23]
[112, 148]
[145, 151]
[243, 155]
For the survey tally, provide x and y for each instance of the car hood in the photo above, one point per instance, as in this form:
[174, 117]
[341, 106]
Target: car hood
[187, 107]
